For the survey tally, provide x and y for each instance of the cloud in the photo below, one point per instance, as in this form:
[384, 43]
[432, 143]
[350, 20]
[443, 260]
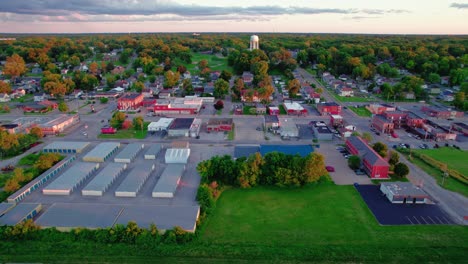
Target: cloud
[150, 8]
[459, 5]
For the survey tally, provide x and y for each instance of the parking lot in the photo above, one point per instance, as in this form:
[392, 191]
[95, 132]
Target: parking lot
[388, 213]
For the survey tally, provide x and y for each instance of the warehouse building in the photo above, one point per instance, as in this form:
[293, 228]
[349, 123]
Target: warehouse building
[135, 180]
[99, 185]
[177, 155]
[153, 151]
[129, 153]
[180, 127]
[71, 179]
[161, 125]
[102, 152]
[321, 131]
[168, 182]
[58, 125]
[39, 181]
[5, 207]
[65, 147]
[404, 193]
[288, 128]
[21, 212]
[219, 124]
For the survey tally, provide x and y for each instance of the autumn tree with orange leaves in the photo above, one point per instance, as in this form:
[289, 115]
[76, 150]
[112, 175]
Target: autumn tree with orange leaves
[4, 87]
[14, 66]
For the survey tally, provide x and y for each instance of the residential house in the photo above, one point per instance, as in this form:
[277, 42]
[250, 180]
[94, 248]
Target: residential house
[373, 164]
[36, 70]
[345, 91]
[118, 70]
[39, 97]
[249, 95]
[445, 80]
[247, 77]
[4, 97]
[209, 88]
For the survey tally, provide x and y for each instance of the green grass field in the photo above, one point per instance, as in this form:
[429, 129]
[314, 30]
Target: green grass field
[323, 223]
[454, 158]
[215, 63]
[127, 133]
[350, 99]
[360, 111]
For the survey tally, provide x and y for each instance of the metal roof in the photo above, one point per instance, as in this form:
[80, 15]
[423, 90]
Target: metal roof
[302, 150]
[404, 189]
[136, 178]
[102, 150]
[367, 152]
[76, 145]
[18, 213]
[154, 149]
[72, 177]
[4, 207]
[130, 151]
[181, 123]
[169, 179]
[105, 177]
[177, 153]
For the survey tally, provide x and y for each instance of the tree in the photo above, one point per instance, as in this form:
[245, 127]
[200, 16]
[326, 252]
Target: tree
[457, 76]
[187, 87]
[202, 64]
[354, 162]
[219, 105]
[117, 120]
[226, 75]
[110, 66]
[74, 61]
[5, 87]
[11, 185]
[57, 88]
[250, 170]
[221, 88]
[171, 79]
[366, 136]
[46, 161]
[138, 122]
[394, 158]
[293, 87]
[181, 69]
[401, 170]
[459, 100]
[381, 149]
[93, 67]
[63, 107]
[110, 80]
[138, 86]
[36, 132]
[314, 167]
[433, 78]
[14, 66]
[104, 100]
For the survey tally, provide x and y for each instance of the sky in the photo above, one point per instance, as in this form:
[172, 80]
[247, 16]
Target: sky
[310, 16]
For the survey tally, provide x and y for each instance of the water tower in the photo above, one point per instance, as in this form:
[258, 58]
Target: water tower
[254, 42]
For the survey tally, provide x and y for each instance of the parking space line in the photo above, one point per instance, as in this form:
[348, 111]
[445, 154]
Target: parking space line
[416, 220]
[431, 219]
[442, 222]
[409, 220]
[448, 221]
[424, 220]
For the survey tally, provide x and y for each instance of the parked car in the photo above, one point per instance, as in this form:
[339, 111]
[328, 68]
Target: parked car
[8, 168]
[360, 172]
[394, 135]
[330, 168]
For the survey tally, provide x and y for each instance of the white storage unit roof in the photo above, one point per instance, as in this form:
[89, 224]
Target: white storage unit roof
[135, 180]
[72, 178]
[153, 151]
[66, 147]
[169, 180]
[162, 124]
[129, 152]
[20, 213]
[104, 179]
[4, 207]
[177, 155]
[101, 152]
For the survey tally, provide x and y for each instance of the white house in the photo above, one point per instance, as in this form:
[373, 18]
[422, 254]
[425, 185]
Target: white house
[4, 97]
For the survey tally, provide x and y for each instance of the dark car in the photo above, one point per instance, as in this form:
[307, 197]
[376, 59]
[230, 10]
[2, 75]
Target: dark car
[359, 172]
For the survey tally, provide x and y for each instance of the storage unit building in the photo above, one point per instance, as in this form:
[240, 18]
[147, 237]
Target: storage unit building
[21, 212]
[71, 179]
[102, 152]
[153, 151]
[104, 179]
[177, 155]
[65, 147]
[403, 192]
[39, 181]
[5, 207]
[134, 181]
[168, 182]
[129, 153]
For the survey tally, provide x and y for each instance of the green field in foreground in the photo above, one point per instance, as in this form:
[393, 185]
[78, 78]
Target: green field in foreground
[454, 158]
[323, 223]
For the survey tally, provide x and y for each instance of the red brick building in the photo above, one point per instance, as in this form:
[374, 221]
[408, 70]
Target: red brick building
[219, 124]
[382, 124]
[374, 165]
[178, 106]
[461, 128]
[397, 117]
[441, 112]
[413, 120]
[330, 108]
[130, 101]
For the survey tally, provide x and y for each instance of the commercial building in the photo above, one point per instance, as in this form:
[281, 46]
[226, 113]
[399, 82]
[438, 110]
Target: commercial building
[39, 181]
[379, 109]
[65, 147]
[397, 117]
[180, 127]
[404, 193]
[382, 124]
[168, 182]
[102, 152]
[58, 125]
[461, 128]
[273, 110]
[21, 212]
[219, 124]
[330, 108]
[441, 112]
[177, 155]
[413, 120]
[104, 179]
[153, 151]
[135, 179]
[129, 153]
[129, 101]
[66, 183]
[161, 125]
[374, 165]
[184, 106]
[271, 122]
[336, 120]
[288, 128]
[293, 108]
[322, 132]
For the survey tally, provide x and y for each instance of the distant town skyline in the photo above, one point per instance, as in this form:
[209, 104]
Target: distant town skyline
[333, 16]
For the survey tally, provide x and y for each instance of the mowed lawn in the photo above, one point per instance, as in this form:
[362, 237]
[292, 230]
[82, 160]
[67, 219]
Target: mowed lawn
[323, 223]
[454, 158]
[215, 63]
[361, 111]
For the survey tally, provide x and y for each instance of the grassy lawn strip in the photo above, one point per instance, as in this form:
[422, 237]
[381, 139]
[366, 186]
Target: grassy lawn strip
[349, 99]
[232, 133]
[450, 183]
[127, 133]
[454, 158]
[282, 110]
[360, 111]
